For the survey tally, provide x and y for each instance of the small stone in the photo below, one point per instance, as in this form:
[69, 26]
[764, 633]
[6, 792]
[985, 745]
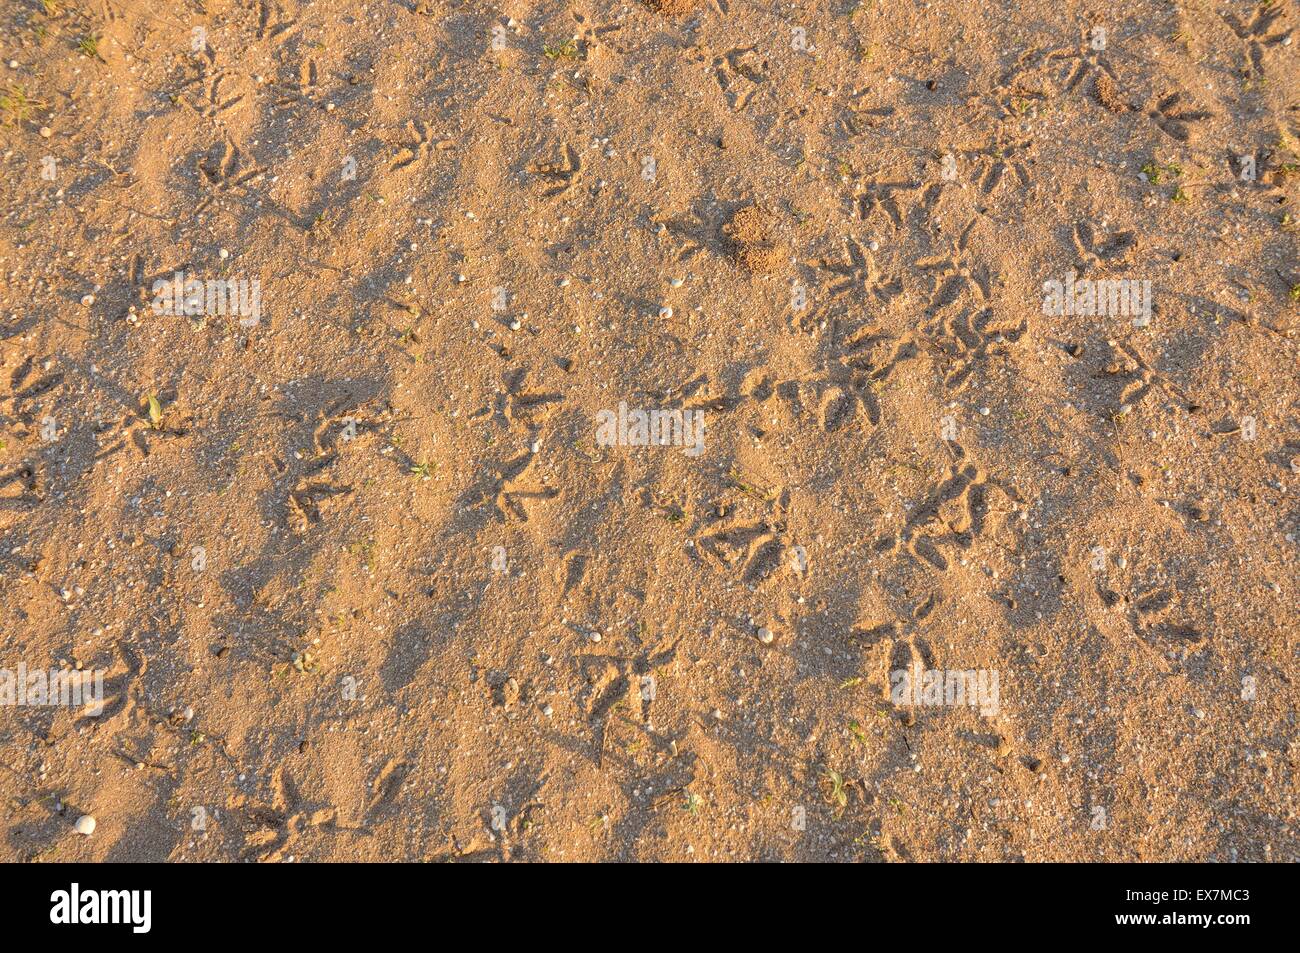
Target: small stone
[87, 300]
[676, 282]
[85, 825]
[665, 312]
[765, 636]
[515, 325]
[46, 132]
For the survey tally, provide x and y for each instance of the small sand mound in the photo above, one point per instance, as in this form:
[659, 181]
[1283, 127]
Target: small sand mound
[751, 233]
[671, 8]
[1108, 94]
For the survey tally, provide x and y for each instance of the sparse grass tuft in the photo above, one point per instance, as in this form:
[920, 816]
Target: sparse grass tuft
[1157, 171]
[88, 45]
[568, 50]
[749, 489]
[16, 106]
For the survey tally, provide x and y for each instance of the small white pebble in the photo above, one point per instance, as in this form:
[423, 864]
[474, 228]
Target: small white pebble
[85, 825]
[87, 300]
[765, 636]
[665, 312]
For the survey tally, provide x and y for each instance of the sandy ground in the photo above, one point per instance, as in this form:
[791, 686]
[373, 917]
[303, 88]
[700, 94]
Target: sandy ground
[377, 563]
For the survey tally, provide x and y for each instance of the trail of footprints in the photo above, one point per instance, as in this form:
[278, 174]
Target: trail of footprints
[959, 510]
